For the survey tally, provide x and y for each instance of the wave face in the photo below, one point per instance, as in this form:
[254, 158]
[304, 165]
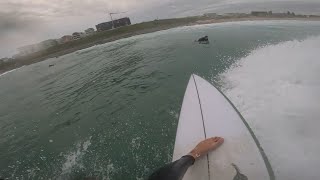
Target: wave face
[277, 90]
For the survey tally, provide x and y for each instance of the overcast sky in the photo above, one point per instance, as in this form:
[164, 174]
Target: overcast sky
[25, 22]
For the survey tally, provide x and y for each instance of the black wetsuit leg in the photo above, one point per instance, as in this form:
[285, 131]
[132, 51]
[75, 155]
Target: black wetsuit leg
[174, 170]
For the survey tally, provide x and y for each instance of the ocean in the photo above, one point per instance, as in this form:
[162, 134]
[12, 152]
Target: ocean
[111, 111]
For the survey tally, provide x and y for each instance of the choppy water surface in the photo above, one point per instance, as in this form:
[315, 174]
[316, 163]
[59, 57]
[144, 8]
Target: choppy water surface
[111, 111]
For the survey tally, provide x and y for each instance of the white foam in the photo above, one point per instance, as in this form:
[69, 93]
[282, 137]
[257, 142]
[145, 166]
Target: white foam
[277, 90]
[136, 142]
[74, 157]
[10, 71]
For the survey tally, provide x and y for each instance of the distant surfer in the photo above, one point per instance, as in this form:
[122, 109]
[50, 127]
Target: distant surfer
[203, 40]
[177, 169]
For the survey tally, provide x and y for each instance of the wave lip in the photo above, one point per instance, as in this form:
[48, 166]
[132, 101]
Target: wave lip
[277, 89]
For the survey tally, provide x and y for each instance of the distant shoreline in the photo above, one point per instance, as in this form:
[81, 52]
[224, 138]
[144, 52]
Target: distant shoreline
[214, 21]
[129, 31]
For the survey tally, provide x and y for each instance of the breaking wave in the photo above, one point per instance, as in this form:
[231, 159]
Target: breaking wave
[277, 90]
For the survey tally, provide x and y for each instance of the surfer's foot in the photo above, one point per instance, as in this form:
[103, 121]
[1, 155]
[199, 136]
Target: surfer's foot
[206, 146]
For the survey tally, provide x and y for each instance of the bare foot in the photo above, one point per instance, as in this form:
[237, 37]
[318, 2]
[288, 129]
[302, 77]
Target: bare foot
[206, 146]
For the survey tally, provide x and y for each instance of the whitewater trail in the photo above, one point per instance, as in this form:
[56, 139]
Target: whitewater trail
[10, 71]
[277, 90]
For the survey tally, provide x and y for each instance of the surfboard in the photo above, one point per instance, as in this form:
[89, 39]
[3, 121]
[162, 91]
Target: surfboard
[206, 112]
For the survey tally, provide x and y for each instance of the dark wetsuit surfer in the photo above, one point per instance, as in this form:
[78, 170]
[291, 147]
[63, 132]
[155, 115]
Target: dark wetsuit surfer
[203, 39]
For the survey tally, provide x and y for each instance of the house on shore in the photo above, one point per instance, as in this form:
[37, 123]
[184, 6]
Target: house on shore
[78, 35]
[113, 24]
[4, 60]
[235, 15]
[65, 39]
[89, 31]
[260, 13]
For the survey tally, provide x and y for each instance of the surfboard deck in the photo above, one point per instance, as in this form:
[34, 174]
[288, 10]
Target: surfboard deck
[206, 112]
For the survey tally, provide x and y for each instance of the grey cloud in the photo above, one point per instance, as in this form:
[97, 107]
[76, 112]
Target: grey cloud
[29, 21]
[20, 15]
[60, 8]
[16, 21]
